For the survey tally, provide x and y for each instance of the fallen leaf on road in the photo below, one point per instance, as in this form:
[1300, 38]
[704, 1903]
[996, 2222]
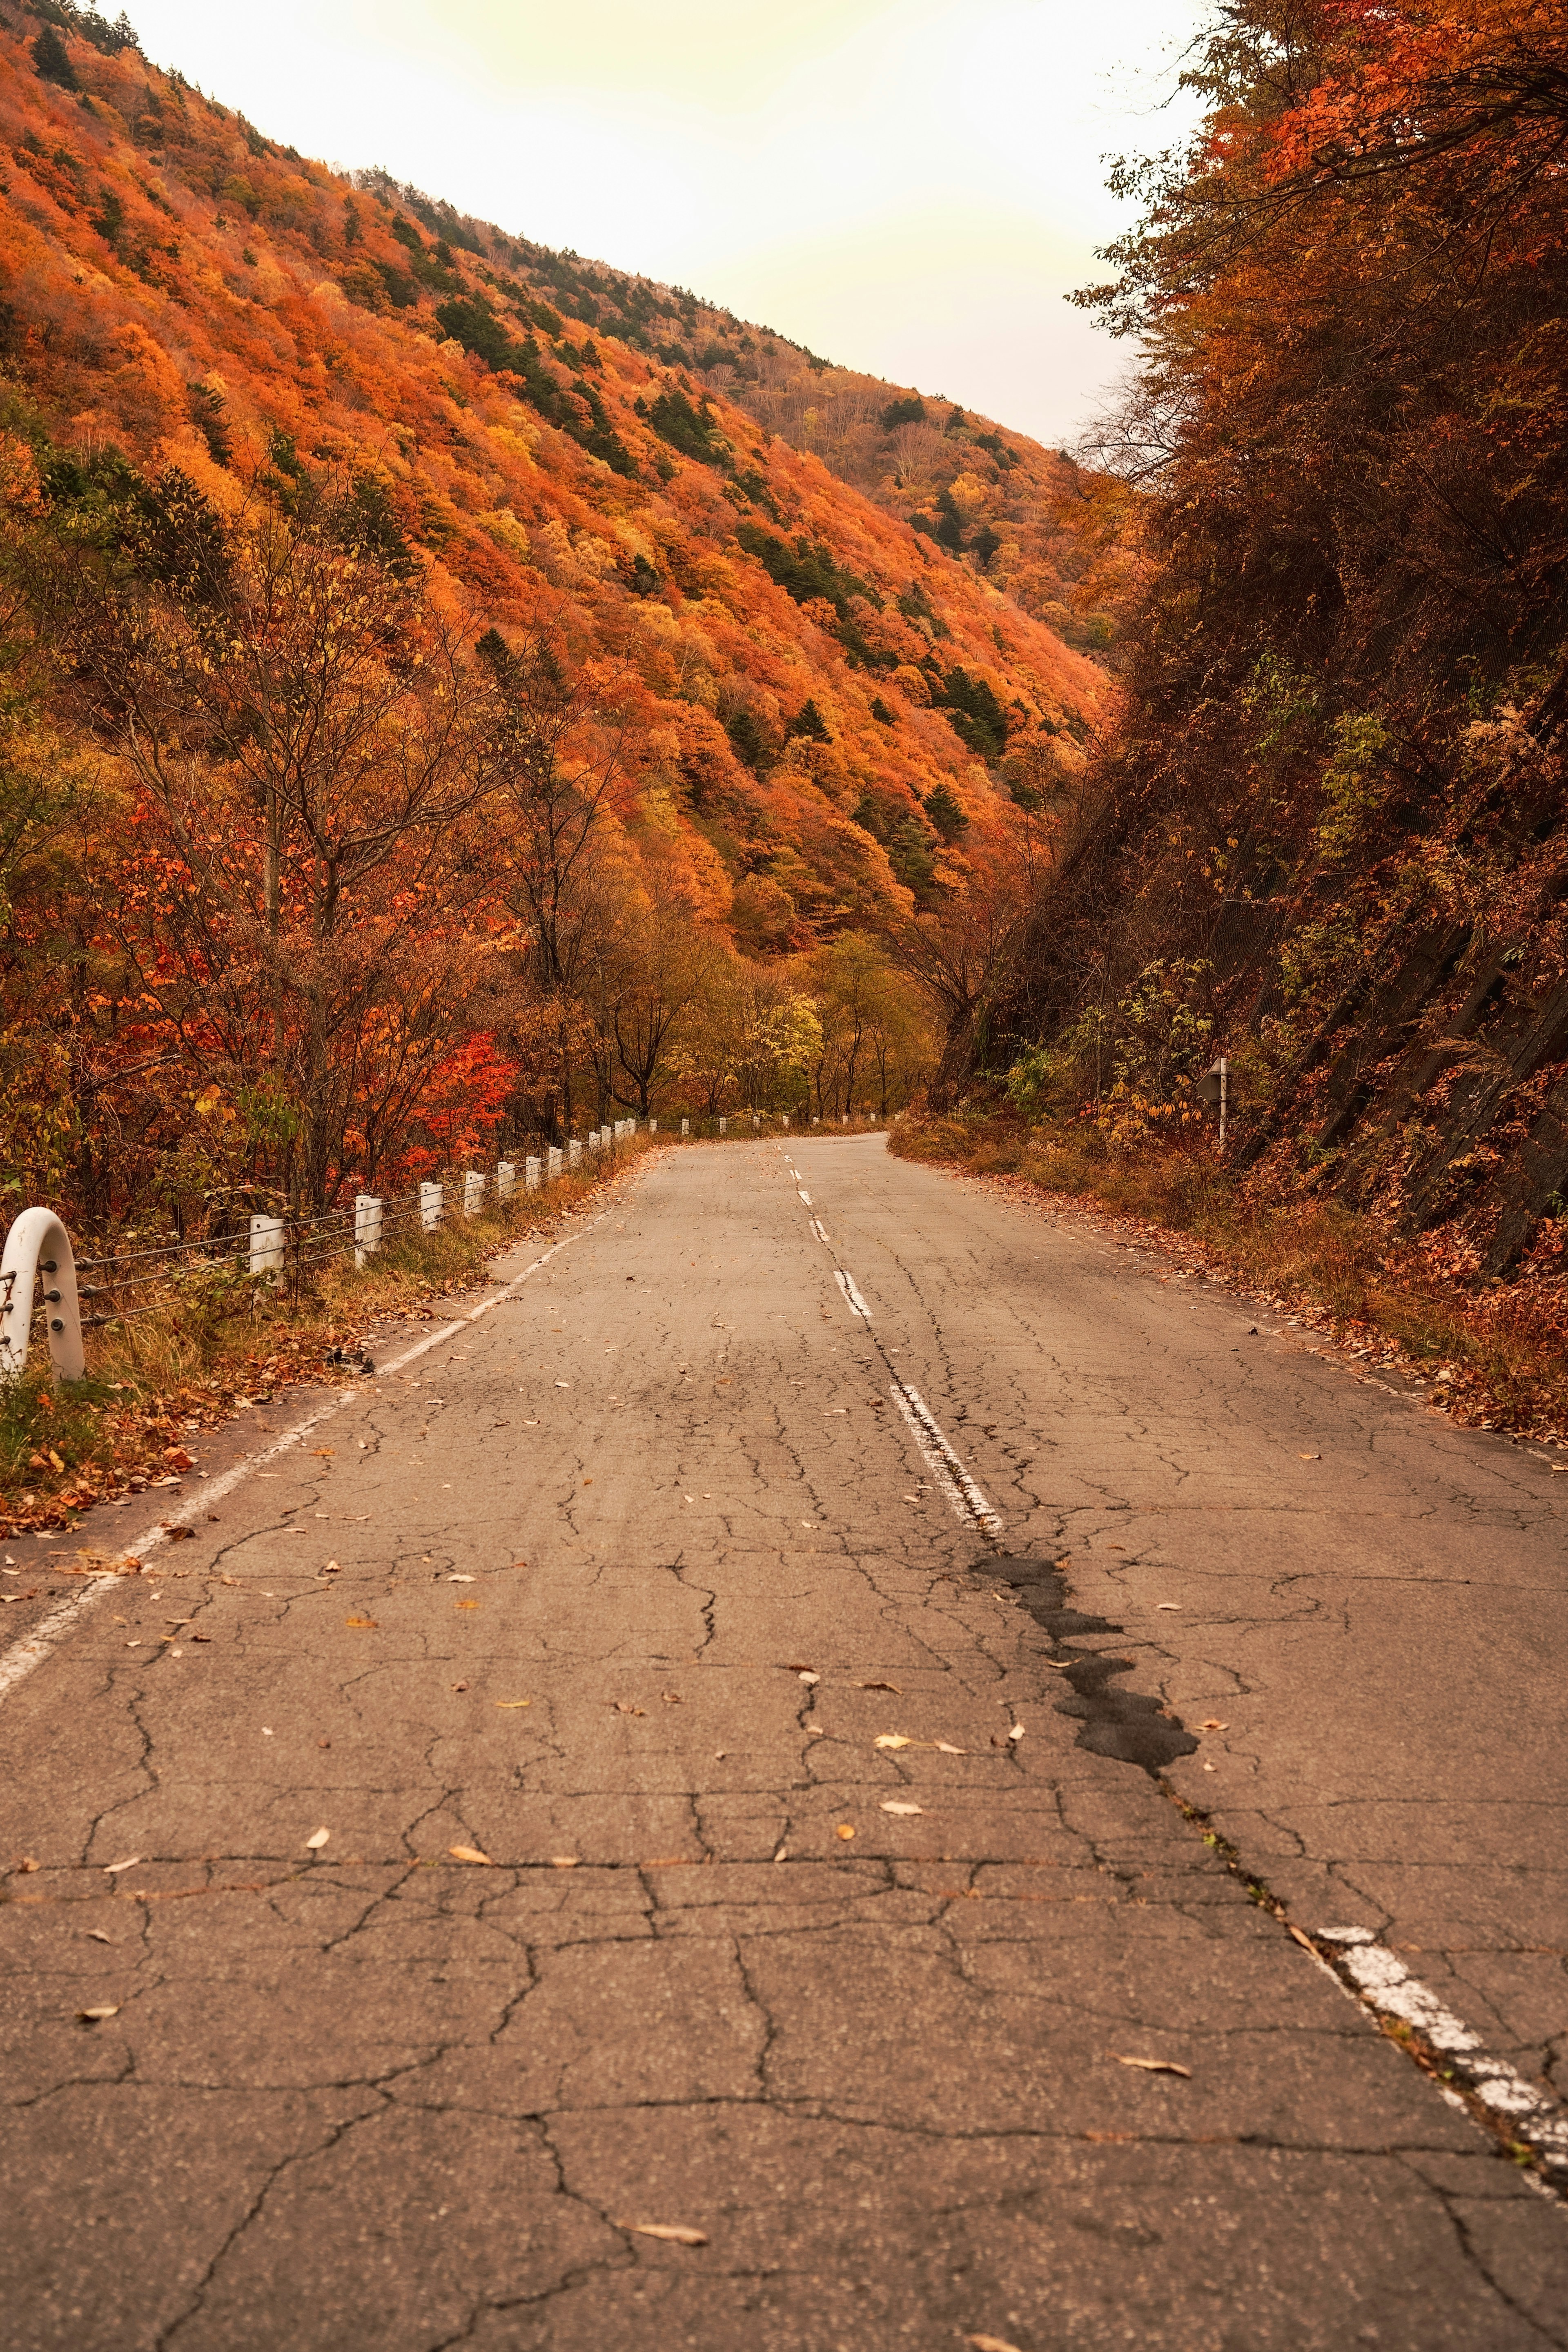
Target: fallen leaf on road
[782, 1854]
[317, 1841]
[886, 1686]
[562, 1384]
[462, 1580]
[27, 1865]
[1016, 1732]
[514, 1702]
[991, 2343]
[675, 2232]
[1309, 1457]
[945, 1748]
[112, 1869]
[182, 1535]
[332, 1567]
[846, 1829]
[1305, 1941]
[469, 1854]
[1155, 2065]
[1214, 1725]
[465, 1604]
[563, 1862]
[893, 1808]
[361, 1624]
[811, 1678]
[105, 2009]
[672, 1698]
[891, 1739]
[624, 1706]
[1167, 1604]
[98, 1936]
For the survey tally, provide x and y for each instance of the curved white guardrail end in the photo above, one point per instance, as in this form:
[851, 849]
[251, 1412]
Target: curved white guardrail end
[37, 1243]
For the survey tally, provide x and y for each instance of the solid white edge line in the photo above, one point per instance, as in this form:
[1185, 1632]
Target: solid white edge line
[963, 1495]
[1387, 1985]
[46, 1637]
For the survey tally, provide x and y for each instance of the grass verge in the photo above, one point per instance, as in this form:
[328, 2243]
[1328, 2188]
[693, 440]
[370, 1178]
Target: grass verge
[155, 1382]
[1495, 1355]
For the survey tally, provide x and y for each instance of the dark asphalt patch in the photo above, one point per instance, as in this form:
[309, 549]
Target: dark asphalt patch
[1123, 1724]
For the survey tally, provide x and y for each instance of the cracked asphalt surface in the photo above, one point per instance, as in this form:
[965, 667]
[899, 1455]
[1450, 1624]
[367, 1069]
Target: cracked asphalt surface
[619, 1589]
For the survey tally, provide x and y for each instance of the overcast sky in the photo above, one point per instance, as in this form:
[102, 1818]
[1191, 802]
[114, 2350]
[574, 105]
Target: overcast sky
[909, 186]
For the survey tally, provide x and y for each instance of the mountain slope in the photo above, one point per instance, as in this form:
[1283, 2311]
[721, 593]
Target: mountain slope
[182, 288]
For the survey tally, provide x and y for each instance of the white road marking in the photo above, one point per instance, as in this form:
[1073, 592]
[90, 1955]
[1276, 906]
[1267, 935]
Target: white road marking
[819, 1229]
[948, 1472]
[806, 1196]
[19, 1661]
[857, 1304]
[1387, 1985]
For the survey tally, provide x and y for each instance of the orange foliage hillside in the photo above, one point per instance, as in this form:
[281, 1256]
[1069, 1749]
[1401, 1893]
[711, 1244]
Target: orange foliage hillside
[181, 288]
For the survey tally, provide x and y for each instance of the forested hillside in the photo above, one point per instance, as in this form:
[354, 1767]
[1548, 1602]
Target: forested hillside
[433, 706]
[1329, 835]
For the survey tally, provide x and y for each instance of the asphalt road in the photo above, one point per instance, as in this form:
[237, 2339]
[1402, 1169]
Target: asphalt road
[776, 1623]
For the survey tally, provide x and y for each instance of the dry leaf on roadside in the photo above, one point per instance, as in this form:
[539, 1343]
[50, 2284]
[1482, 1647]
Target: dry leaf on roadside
[809, 1677]
[465, 1604]
[883, 1686]
[624, 1706]
[1154, 2065]
[469, 1854]
[675, 2233]
[462, 1580]
[1016, 1732]
[112, 1869]
[1214, 1725]
[514, 1702]
[894, 1808]
[317, 1841]
[1309, 1457]
[361, 1624]
[990, 2343]
[846, 1829]
[105, 2009]
[945, 1748]
[891, 1739]
[563, 1862]
[27, 1865]
[1167, 1604]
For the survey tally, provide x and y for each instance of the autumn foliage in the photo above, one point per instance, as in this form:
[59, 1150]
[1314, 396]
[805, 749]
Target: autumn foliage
[434, 713]
[1330, 837]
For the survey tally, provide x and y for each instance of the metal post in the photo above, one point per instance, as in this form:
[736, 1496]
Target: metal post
[367, 1226]
[39, 1244]
[266, 1246]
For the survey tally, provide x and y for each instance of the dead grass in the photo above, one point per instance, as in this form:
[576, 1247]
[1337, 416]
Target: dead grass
[156, 1381]
[1495, 1355]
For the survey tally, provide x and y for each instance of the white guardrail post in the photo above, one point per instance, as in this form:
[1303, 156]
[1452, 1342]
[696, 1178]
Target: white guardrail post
[473, 1193]
[506, 1178]
[39, 1244]
[653, 1127]
[431, 1202]
[367, 1226]
[266, 1246]
[686, 1127]
[553, 1161]
[531, 1175]
[573, 1153]
[723, 1127]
